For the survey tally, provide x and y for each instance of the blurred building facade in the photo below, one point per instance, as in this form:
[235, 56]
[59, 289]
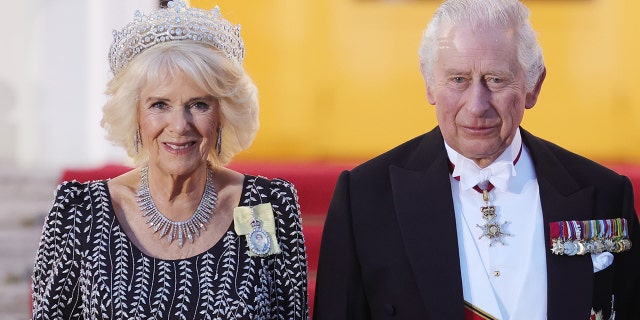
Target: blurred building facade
[338, 79]
[53, 72]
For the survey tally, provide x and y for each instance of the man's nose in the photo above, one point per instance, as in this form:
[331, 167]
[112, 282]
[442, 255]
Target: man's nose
[478, 98]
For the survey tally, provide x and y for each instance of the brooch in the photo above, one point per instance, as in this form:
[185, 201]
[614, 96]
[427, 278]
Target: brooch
[257, 224]
[589, 236]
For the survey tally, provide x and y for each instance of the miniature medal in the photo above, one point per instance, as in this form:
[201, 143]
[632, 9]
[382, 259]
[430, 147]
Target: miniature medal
[259, 239]
[570, 248]
[557, 246]
[589, 237]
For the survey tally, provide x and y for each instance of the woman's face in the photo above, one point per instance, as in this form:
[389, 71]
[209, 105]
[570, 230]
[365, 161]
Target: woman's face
[178, 124]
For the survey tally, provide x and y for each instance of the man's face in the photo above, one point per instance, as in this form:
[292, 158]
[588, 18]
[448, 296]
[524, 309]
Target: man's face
[479, 91]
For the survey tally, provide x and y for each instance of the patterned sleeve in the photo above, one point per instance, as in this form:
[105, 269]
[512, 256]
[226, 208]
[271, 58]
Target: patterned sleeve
[291, 263]
[57, 264]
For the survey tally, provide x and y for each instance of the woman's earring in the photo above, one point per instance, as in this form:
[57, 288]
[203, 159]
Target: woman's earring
[137, 140]
[219, 141]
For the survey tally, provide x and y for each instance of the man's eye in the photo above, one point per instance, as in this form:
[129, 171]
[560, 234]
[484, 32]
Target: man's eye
[494, 80]
[457, 79]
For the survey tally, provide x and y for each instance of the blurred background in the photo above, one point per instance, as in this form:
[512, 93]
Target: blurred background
[338, 81]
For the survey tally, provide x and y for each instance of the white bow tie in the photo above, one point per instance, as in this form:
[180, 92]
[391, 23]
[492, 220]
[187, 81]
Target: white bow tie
[497, 173]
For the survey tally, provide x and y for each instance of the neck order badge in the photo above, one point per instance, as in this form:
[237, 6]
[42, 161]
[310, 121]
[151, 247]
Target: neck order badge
[492, 229]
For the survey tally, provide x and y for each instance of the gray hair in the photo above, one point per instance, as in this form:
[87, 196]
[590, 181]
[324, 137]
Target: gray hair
[211, 70]
[484, 13]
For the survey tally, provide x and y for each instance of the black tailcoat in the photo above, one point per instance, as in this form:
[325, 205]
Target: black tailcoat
[389, 248]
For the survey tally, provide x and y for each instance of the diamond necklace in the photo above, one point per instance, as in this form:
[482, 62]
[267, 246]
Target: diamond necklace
[180, 229]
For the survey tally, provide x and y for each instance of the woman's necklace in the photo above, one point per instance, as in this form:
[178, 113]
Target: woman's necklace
[181, 229]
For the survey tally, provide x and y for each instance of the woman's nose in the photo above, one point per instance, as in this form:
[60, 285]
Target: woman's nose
[180, 120]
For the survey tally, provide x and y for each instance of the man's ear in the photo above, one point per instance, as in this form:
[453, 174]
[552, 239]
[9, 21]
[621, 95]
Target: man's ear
[532, 97]
[430, 96]
[427, 84]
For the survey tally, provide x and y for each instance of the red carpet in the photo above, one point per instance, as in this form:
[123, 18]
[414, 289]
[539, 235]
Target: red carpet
[315, 183]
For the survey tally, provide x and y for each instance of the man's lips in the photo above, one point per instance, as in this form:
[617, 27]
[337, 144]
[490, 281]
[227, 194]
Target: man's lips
[479, 129]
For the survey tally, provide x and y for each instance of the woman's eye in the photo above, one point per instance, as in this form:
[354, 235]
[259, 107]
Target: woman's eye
[158, 105]
[199, 106]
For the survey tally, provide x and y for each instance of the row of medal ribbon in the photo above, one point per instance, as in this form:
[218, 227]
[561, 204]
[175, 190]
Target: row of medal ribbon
[589, 236]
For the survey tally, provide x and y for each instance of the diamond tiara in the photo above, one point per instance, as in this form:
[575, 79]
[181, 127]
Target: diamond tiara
[176, 22]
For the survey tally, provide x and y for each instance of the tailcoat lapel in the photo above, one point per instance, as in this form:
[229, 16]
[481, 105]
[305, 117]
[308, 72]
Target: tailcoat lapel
[569, 279]
[424, 208]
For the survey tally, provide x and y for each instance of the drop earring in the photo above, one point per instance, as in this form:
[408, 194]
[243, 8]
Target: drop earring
[219, 141]
[137, 141]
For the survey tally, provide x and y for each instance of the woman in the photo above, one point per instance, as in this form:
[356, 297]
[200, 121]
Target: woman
[180, 236]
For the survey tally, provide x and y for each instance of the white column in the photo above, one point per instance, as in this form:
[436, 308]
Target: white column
[104, 17]
[53, 73]
[17, 81]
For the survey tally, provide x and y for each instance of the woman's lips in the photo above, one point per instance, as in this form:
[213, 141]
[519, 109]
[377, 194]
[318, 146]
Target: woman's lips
[179, 147]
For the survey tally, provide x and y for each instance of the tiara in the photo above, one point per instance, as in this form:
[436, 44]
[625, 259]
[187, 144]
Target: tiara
[176, 22]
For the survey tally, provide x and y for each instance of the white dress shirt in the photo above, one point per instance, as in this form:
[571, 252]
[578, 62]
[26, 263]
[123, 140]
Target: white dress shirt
[508, 281]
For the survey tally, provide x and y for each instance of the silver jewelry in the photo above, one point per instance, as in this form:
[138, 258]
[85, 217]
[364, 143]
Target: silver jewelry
[219, 141]
[137, 141]
[176, 22]
[180, 229]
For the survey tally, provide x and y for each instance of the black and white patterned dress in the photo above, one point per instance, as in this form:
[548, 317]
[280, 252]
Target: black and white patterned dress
[87, 268]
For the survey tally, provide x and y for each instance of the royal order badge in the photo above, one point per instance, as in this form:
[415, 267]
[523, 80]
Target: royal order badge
[257, 224]
[259, 239]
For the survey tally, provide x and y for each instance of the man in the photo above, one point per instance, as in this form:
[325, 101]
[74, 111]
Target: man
[478, 218]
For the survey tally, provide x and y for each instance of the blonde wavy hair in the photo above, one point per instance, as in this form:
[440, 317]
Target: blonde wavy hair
[214, 73]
